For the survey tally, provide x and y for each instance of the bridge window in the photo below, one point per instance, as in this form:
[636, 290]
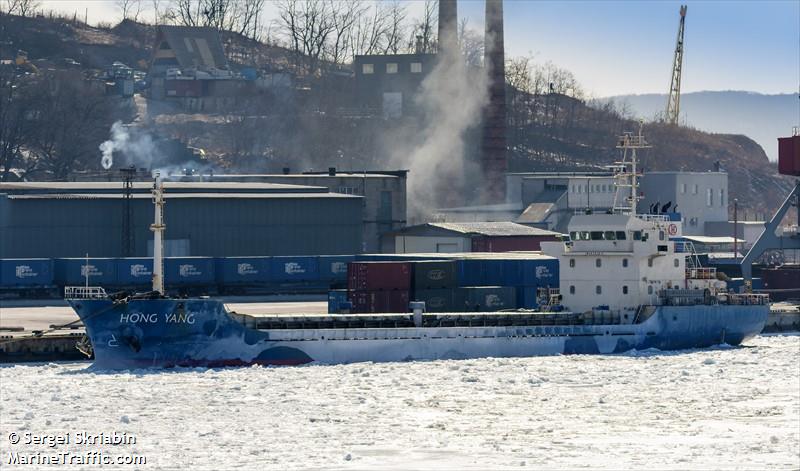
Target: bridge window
[625, 263]
[620, 235]
[598, 263]
[597, 235]
[598, 289]
[610, 235]
[625, 289]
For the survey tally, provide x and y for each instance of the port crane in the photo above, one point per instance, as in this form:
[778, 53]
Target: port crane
[672, 112]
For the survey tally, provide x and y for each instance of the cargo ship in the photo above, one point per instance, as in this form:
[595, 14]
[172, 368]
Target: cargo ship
[625, 282]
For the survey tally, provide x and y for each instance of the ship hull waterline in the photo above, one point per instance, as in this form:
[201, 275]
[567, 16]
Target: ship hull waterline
[190, 333]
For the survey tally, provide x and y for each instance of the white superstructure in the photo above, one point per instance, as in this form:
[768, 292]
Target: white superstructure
[622, 260]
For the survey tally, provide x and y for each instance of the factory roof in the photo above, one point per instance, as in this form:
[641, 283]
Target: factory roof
[535, 212]
[173, 196]
[491, 229]
[145, 187]
[194, 47]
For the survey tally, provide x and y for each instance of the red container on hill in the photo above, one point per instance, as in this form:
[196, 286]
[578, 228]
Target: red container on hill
[379, 301]
[789, 155]
[374, 276]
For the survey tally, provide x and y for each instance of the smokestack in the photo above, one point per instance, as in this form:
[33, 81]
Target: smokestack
[448, 26]
[494, 162]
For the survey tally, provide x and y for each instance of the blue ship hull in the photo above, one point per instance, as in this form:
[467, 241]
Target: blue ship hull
[185, 332]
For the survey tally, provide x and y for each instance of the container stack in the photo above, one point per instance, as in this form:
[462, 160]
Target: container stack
[379, 286]
[435, 283]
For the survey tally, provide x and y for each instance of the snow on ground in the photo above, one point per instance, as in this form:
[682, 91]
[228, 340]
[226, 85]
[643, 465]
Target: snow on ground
[726, 408]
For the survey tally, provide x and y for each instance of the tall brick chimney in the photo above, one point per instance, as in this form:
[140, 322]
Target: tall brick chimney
[448, 25]
[494, 162]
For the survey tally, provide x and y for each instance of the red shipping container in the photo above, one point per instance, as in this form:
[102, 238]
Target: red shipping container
[789, 155]
[375, 276]
[379, 301]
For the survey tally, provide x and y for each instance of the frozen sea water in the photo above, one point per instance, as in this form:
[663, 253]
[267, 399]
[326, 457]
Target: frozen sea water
[724, 408]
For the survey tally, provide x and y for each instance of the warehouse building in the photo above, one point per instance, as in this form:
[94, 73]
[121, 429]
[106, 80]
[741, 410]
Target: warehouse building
[383, 195]
[467, 237]
[54, 219]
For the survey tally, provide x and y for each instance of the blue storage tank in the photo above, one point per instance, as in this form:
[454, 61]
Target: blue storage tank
[242, 270]
[73, 271]
[134, 271]
[184, 271]
[26, 272]
[334, 267]
[300, 268]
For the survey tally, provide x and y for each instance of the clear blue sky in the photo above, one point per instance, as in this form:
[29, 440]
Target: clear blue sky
[621, 47]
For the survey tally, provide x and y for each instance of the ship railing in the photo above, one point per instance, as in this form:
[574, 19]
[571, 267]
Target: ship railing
[84, 292]
[749, 299]
[701, 273]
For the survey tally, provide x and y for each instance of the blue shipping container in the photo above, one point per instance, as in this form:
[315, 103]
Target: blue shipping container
[21, 272]
[336, 298]
[334, 267]
[526, 297]
[73, 271]
[189, 271]
[294, 269]
[134, 271]
[242, 270]
[540, 272]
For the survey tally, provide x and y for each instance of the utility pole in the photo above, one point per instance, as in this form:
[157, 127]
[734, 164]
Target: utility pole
[672, 111]
[128, 176]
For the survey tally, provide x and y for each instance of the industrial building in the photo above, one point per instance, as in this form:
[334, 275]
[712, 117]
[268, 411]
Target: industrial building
[54, 219]
[387, 84]
[549, 200]
[383, 195]
[467, 237]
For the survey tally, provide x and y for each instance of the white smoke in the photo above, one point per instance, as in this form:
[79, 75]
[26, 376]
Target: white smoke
[451, 100]
[138, 148]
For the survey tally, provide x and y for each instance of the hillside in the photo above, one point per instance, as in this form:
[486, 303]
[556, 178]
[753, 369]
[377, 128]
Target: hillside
[301, 128]
[762, 118]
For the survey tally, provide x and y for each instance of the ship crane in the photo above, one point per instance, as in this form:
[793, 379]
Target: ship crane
[672, 111]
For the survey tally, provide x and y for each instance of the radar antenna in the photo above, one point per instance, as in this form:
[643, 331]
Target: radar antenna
[626, 172]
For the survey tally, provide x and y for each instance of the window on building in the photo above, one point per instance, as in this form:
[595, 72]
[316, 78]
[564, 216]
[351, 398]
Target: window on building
[683, 188]
[676, 263]
[571, 289]
[572, 263]
[694, 189]
[598, 289]
[650, 262]
[637, 235]
[346, 190]
[625, 263]
[650, 289]
[722, 197]
[625, 289]
[710, 197]
[580, 188]
[367, 69]
[391, 68]
[416, 67]
[598, 263]
[661, 235]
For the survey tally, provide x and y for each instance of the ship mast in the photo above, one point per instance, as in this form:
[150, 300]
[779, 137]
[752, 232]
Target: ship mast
[626, 172]
[158, 227]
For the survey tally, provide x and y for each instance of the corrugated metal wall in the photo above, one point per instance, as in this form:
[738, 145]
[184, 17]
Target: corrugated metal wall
[215, 226]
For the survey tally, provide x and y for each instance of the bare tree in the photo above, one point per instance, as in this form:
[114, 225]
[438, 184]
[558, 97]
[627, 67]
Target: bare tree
[130, 9]
[306, 25]
[22, 7]
[471, 43]
[396, 29]
[13, 122]
[423, 33]
[369, 32]
[344, 16]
